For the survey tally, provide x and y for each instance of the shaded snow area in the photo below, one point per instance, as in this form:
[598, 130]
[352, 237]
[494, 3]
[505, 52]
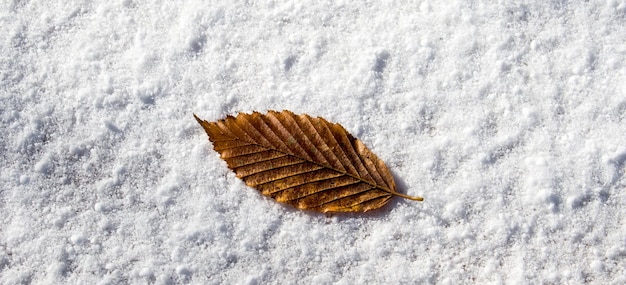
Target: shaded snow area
[508, 118]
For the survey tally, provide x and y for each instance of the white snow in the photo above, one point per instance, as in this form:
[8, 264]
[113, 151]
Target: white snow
[508, 117]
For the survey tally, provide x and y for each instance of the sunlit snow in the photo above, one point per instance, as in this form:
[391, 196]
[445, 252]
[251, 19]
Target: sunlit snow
[508, 118]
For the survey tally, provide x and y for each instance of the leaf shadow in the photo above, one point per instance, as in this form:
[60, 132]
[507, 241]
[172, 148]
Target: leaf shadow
[401, 187]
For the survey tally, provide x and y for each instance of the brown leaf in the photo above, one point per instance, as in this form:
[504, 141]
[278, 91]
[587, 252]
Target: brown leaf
[306, 162]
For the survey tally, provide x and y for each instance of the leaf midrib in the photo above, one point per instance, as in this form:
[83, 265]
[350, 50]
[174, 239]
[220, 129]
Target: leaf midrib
[384, 189]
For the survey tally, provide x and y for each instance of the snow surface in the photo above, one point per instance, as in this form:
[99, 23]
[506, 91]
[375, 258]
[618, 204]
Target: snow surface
[508, 118]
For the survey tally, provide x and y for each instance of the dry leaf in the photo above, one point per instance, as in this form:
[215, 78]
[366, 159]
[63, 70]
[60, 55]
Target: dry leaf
[306, 162]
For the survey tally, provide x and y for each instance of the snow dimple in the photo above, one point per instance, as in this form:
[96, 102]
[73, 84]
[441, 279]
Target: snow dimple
[380, 64]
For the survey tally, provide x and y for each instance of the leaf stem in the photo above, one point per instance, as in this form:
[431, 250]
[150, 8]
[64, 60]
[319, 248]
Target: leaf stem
[414, 198]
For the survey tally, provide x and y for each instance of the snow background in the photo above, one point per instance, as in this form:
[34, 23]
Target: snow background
[508, 118]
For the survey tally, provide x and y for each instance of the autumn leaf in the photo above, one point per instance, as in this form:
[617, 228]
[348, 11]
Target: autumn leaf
[306, 162]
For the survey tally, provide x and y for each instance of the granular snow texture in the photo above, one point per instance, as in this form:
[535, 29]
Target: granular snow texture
[508, 118]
